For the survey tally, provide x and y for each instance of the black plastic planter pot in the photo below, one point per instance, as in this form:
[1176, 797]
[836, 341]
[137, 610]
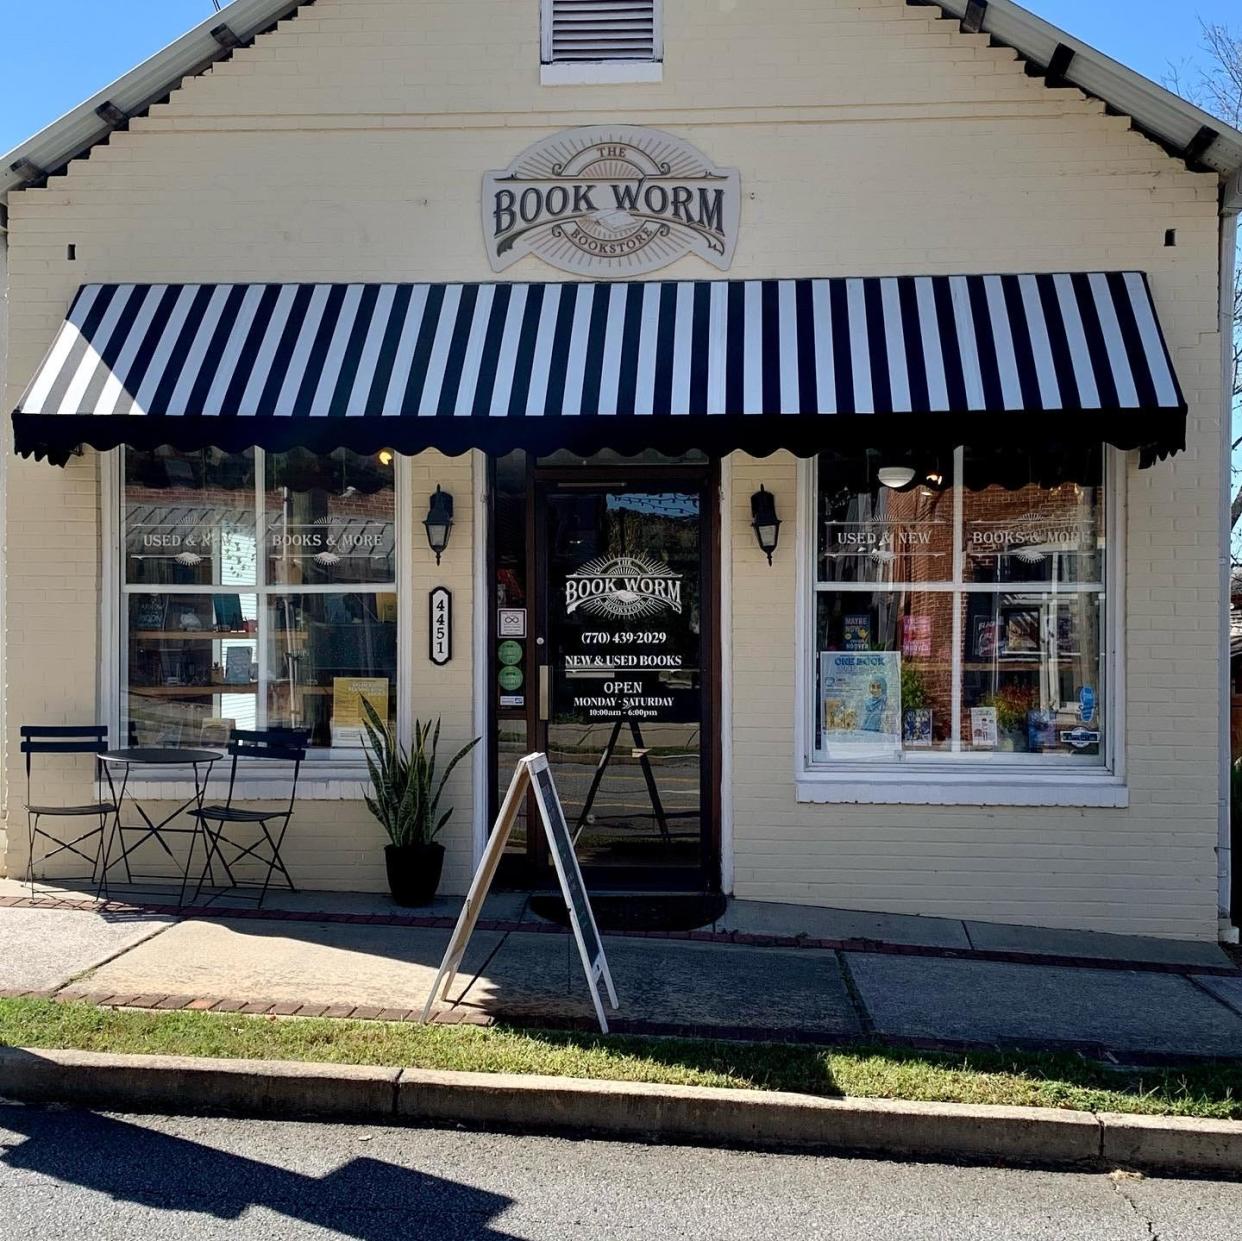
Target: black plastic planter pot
[414, 872]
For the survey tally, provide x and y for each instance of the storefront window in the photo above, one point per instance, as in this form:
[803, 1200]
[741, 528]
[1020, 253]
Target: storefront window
[329, 519]
[259, 591]
[958, 624]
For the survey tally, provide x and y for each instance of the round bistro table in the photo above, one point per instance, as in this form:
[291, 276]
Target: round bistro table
[125, 761]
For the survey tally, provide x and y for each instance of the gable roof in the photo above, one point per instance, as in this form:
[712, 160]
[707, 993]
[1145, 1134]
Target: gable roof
[75, 133]
[1184, 130]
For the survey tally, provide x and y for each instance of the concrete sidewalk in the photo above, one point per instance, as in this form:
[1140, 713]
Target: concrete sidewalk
[1186, 1003]
[765, 922]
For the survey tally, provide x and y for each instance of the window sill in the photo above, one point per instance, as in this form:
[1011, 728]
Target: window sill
[600, 72]
[908, 788]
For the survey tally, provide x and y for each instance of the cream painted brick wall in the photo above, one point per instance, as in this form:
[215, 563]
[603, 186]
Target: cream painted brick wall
[4, 454]
[1148, 869]
[872, 138]
[332, 844]
[448, 692]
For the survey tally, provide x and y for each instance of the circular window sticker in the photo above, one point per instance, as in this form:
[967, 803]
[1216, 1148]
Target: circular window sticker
[510, 653]
[510, 679]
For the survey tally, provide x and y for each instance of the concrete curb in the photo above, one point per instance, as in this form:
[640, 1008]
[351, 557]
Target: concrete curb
[765, 1120]
[761, 1120]
[177, 1084]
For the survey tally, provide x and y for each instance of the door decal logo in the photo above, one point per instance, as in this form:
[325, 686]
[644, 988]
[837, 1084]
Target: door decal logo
[618, 586]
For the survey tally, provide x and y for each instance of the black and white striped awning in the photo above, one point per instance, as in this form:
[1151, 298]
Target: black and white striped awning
[807, 365]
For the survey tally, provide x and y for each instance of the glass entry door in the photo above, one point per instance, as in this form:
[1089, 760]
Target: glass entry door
[622, 654]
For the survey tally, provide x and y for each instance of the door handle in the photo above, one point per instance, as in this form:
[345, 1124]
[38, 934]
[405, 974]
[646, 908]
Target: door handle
[545, 691]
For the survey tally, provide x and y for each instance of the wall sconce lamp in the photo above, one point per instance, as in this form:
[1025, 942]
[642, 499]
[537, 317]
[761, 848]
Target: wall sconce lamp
[764, 521]
[439, 521]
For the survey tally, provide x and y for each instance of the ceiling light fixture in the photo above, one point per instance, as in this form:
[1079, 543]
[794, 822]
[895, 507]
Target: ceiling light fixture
[895, 476]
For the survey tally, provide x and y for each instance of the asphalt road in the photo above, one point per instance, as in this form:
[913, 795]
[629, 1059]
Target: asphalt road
[68, 1174]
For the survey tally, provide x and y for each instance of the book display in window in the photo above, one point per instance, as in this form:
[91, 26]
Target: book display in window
[991, 597]
[857, 632]
[860, 703]
[1020, 632]
[238, 663]
[228, 642]
[916, 729]
[983, 731]
[986, 637]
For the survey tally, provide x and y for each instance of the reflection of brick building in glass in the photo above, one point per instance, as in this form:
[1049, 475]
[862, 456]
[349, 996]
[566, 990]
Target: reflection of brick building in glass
[213, 572]
[925, 633]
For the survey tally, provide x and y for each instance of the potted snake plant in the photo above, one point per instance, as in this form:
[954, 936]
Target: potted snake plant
[405, 797]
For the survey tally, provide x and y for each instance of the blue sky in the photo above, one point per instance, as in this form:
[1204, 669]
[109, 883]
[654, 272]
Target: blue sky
[60, 54]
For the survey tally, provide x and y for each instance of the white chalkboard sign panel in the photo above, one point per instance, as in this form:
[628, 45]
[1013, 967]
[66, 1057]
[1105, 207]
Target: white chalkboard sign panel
[581, 916]
[532, 774]
[561, 844]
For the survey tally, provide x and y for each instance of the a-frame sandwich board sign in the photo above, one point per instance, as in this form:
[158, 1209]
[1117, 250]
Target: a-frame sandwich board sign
[532, 775]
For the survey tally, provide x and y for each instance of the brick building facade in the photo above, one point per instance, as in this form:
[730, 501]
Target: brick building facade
[346, 145]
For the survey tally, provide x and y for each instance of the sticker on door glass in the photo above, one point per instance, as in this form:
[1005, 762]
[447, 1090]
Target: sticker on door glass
[1086, 704]
[511, 623]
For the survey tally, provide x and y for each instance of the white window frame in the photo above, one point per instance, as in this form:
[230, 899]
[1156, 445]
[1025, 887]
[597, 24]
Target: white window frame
[599, 72]
[959, 781]
[325, 775]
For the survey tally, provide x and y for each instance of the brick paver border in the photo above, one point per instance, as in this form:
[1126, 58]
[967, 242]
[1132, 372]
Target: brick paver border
[290, 1010]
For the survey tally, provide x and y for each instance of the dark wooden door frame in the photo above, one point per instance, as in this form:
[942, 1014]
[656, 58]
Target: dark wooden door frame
[706, 480]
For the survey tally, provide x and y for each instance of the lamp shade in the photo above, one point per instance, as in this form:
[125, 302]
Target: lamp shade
[764, 521]
[895, 476]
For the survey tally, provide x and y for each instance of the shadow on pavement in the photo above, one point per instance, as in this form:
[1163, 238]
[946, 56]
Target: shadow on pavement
[363, 1198]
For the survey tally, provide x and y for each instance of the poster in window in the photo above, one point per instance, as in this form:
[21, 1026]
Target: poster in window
[1021, 633]
[150, 612]
[985, 637]
[916, 730]
[347, 696]
[238, 661]
[228, 612]
[856, 631]
[983, 728]
[860, 704]
[916, 636]
[1041, 731]
[1060, 633]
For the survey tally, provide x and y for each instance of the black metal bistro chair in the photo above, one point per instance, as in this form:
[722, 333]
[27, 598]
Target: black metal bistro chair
[247, 833]
[65, 739]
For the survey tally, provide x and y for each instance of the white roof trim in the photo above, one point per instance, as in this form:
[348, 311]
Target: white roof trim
[1154, 110]
[80, 129]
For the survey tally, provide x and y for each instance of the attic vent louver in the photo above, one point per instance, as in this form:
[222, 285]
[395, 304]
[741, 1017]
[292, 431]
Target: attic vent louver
[578, 30]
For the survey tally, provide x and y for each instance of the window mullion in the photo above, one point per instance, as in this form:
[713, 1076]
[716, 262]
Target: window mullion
[260, 582]
[114, 684]
[403, 587]
[955, 734]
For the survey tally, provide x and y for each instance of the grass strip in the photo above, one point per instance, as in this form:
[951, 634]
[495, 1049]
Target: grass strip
[1024, 1079]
